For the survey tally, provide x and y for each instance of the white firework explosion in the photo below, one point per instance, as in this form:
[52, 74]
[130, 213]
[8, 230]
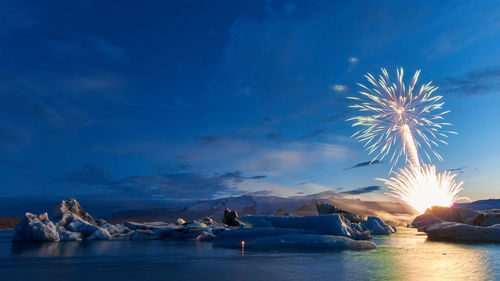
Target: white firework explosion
[399, 118]
[423, 187]
[403, 120]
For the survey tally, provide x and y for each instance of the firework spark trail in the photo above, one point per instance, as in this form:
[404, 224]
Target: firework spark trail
[394, 108]
[403, 121]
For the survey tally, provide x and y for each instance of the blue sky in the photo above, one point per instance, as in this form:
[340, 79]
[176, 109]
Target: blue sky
[201, 99]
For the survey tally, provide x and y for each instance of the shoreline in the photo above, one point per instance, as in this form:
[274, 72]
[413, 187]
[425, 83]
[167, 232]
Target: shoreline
[9, 223]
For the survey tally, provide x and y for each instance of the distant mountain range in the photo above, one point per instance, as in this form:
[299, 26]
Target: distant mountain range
[266, 205]
[486, 204]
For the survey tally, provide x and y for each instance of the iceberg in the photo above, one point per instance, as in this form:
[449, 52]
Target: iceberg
[326, 224]
[459, 224]
[70, 222]
[376, 226]
[323, 232]
[36, 228]
[269, 237]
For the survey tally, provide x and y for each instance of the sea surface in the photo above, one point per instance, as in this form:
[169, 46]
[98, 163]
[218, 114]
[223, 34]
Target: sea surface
[406, 255]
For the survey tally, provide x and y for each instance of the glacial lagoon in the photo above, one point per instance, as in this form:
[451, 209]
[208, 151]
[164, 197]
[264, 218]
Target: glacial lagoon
[405, 255]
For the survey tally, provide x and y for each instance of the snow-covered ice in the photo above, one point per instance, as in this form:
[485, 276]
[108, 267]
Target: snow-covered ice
[36, 228]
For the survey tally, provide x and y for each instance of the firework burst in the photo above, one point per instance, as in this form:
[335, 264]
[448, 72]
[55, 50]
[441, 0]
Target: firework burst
[399, 120]
[423, 187]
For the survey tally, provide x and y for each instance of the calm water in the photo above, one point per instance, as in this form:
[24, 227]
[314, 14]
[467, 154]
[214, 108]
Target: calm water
[402, 256]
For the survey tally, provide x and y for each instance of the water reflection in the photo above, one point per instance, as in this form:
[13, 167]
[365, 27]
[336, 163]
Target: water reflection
[410, 256]
[403, 256]
[63, 249]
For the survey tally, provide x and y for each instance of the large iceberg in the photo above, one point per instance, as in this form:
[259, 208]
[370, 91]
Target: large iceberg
[326, 232]
[287, 238]
[333, 224]
[70, 222]
[459, 224]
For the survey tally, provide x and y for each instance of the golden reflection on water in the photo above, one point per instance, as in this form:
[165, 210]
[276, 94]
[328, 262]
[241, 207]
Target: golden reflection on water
[408, 255]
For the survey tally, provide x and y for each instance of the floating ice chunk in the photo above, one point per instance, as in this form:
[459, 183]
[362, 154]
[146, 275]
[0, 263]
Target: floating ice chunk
[36, 228]
[324, 224]
[463, 232]
[377, 227]
[327, 209]
[290, 238]
[144, 234]
[458, 224]
[87, 230]
[145, 225]
[453, 214]
[423, 221]
[248, 233]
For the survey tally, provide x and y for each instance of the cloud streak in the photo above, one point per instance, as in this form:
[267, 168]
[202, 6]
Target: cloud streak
[363, 190]
[176, 183]
[363, 164]
[477, 82]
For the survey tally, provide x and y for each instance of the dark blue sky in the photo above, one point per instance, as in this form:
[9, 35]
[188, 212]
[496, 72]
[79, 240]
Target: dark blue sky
[200, 99]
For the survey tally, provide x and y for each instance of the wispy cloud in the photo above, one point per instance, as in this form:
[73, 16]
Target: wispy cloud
[90, 175]
[209, 139]
[339, 88]
[364, 164]
[477, 82]
[459, 170]
[182, 184]
[273, 136]
[363, 190]
[353, 60]
[314, 134]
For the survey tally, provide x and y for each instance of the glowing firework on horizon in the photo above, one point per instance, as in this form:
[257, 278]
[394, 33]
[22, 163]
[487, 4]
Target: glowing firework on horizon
[405, 120]
[423, 187]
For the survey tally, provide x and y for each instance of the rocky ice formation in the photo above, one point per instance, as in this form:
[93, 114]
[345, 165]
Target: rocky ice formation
[36, 228]
[231, 218]
[70, 222]
[188, 231]
[334, 231]
[459, 224]
[375, 226]
[327, 209]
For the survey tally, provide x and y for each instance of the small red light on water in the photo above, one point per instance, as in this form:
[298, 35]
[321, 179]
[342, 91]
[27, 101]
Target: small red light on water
[242, 243]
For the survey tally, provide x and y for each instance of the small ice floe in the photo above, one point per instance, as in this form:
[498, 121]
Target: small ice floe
[459, 224]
